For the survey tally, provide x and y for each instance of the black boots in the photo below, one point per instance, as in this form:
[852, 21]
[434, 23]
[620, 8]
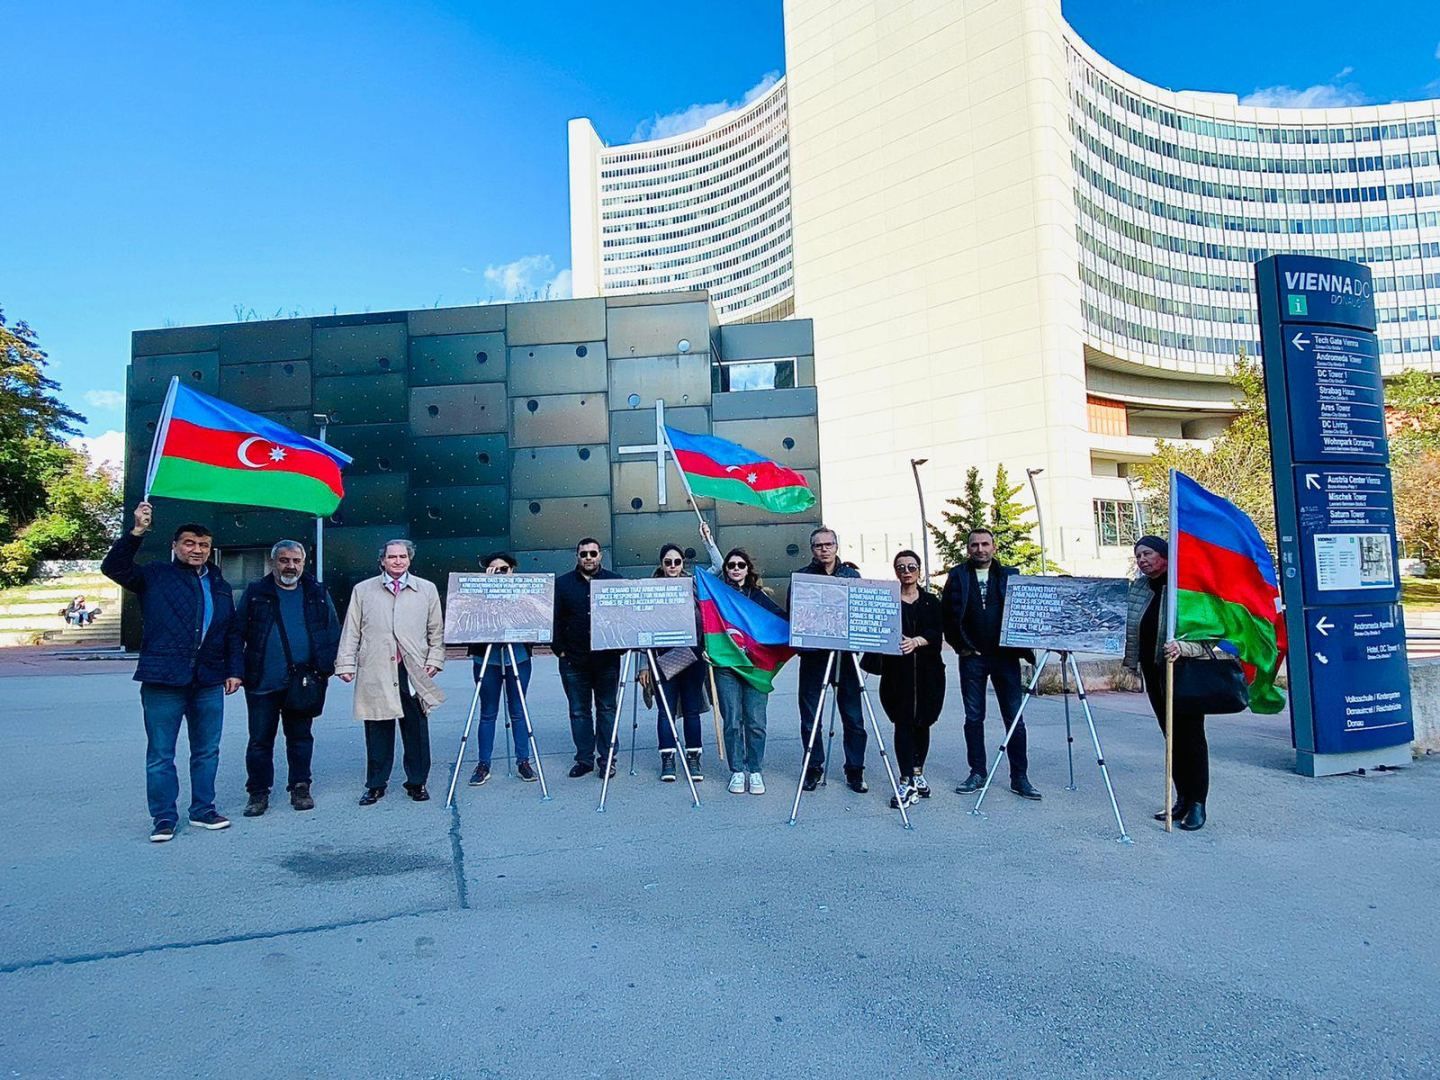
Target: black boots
[1176, 812]
[1194, 817]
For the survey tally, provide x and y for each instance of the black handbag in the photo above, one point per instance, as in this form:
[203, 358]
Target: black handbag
[304, 692]
[1210, 685]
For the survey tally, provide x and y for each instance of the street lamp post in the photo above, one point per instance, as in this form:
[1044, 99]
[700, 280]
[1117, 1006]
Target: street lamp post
[915, 464]
[1039, 517]
[1134, 506]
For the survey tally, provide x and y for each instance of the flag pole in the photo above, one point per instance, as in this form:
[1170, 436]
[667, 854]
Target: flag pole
[162, 429]
[719, 720]
[1170, 621]
[684, 480]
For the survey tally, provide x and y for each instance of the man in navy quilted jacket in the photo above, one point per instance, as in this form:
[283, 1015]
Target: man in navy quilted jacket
[191, 656]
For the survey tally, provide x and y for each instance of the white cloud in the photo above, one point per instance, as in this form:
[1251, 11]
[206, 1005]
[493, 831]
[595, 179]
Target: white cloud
[105, 399]
[106, 449]
[1329, 95]
[692, 117]
[532, 277]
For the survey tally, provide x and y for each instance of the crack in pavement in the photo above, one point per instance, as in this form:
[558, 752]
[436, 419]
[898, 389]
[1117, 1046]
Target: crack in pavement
[177, 946]
[457, 857]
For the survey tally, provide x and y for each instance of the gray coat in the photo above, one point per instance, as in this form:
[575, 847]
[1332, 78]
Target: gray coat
[377, 625]
[1136, 601]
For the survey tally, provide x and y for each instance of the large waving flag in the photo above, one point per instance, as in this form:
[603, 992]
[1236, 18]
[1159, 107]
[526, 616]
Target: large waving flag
[1225, 587]
[718, 469]
[209, 450]
[740, 634]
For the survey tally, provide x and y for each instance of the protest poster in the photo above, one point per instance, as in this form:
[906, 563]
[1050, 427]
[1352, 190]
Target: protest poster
[845, 614]
[499, 608]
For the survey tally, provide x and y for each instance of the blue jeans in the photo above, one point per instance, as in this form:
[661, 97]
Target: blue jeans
[685, 694]
[203, 710]
[1003, 671]
[742, 708]
[515, 681]
[591, 682]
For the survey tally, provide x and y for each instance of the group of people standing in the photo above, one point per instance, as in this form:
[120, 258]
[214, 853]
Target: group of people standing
[283, 641]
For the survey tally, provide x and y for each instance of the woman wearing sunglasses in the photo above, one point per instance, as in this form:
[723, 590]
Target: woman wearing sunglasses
[499, 671]
[681, 687]
[912, 685]
[742, 706]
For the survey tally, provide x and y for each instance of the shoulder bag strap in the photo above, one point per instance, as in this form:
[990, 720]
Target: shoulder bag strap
[284, 637]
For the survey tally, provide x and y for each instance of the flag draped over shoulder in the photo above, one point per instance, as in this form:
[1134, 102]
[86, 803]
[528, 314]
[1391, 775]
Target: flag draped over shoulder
[1226, 587]
[210, 450]
[741, 635]
[718, 469]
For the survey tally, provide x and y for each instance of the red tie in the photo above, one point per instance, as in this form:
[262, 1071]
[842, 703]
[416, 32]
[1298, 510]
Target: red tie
[399, 653]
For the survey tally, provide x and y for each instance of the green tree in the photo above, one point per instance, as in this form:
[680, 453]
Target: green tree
[1237, 465]
[968, 513]
[53, 505]
[1013, 543]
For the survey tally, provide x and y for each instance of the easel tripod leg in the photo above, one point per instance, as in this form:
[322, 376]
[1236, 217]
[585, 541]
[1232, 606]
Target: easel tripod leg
[614, 732]
[465, 737]
[529, 727]
[880, 740]
[1065, 698]
[1010, 731]
[670, 719]
[814, 730]
[1124, 837]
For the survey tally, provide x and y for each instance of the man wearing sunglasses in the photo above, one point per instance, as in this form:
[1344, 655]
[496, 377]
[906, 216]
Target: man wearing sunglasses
[825, 559]
[591, 679]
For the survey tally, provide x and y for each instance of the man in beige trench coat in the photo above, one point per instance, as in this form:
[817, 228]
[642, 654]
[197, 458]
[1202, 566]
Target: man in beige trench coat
[392, 646]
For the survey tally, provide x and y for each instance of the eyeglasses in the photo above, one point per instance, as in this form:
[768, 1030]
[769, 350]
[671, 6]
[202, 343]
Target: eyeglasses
[907, 567]
[823, 545]
[589, 554]
[737, 566]
[672, 562]
[502, 569]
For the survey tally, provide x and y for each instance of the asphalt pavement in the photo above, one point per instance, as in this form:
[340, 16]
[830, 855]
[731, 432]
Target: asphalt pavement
[1293, 936]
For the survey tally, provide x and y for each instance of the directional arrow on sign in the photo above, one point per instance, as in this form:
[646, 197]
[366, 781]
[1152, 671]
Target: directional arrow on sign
[1322, 658]
[1324, 625]
[1312, 480]
[1300, 340]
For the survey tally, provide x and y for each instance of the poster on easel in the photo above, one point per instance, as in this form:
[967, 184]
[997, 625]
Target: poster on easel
[845, 614]
[499, 608]
[642, 613]
[1065, 614]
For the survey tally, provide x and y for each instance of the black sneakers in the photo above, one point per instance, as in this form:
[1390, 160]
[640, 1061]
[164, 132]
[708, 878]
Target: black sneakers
[300, 797]
[210, 820]
[525, 771]
[1021, 786]
[973, 783]
[163, 832]
[480, 775]
[812, 777]
[855, 778]
[581, 768]
[258, 804]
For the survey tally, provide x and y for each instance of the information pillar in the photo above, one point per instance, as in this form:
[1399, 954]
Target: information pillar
[1334, 515]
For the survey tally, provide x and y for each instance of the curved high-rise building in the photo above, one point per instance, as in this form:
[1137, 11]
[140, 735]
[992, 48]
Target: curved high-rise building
[1016, 253]
[706, 209]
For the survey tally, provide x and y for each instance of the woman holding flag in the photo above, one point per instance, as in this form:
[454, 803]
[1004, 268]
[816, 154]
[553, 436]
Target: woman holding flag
[1146, 648]
[742, 680]
[681, 687]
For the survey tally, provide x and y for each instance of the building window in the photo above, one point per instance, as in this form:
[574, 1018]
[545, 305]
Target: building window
[1116, 523]
[1106, 417]
[753, 375]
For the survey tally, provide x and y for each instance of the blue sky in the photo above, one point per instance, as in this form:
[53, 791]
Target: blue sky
[172, 163]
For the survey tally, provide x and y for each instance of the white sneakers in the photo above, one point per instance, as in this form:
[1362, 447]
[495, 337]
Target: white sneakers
[737, 784]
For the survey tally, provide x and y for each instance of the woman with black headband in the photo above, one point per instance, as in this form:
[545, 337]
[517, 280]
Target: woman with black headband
[1147, 650]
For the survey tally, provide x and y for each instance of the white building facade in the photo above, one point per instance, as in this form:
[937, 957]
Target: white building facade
[1014, 252]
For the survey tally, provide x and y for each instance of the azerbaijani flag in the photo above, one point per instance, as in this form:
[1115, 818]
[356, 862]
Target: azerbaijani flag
[1224, 586]
[740, 634]
[724, 470]
[209, 450]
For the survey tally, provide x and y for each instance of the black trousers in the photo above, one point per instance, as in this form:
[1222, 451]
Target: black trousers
[847, 684]
[912, 746]
[1190, 750]
[1004, 675]
[414, 736]
[266, 715]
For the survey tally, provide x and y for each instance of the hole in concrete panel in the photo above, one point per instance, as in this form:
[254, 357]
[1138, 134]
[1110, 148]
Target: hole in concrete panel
[633, 400]
[433, 410]
[483, 458]
[337, 518]
[289, 369]
[481, 357]
[149, 425]
[581, 350]
[788, 443]
[383, 464]
[636, 503]
[532, 405]
[196, 375]
[239, 521]
[690, 553]
[384, 362]
[534, 508]
[584, 453]
[792, 550]
[433, 513]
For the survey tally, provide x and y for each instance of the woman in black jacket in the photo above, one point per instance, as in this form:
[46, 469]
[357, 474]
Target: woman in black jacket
[912, 685]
